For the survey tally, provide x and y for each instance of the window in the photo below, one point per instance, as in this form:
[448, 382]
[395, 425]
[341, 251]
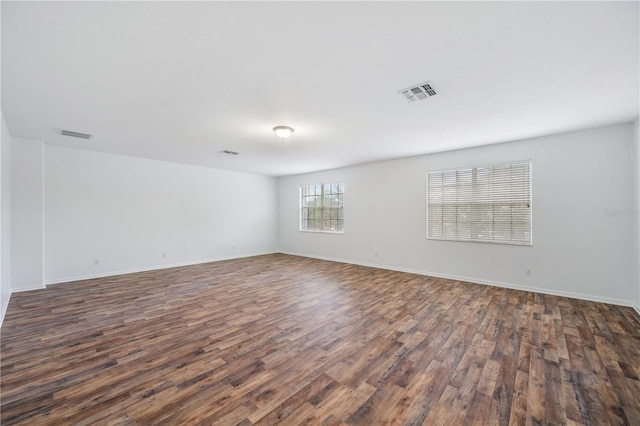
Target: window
[321, 208]
[481, 203]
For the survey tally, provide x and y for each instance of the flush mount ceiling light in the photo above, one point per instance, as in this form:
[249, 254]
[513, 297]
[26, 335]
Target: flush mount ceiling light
[283, 132]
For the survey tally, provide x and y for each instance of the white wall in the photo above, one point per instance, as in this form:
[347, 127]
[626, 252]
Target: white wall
[636, 212]
[581, 246]
[126, 212]
[26, 214]
[5, 218]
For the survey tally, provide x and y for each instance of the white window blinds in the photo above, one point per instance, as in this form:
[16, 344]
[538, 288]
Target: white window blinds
[481, 203]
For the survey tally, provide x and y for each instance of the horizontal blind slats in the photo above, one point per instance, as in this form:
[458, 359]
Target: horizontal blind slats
[482, 203]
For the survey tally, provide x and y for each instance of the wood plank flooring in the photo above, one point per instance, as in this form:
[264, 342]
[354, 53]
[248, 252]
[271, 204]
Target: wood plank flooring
[280, 339]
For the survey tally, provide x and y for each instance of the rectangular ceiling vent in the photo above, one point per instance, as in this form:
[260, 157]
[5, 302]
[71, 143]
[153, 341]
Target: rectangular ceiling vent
[75, 134]
[418, 92]
[226, 151]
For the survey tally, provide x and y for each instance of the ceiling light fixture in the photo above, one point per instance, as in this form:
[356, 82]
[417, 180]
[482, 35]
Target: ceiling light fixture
[283, 132]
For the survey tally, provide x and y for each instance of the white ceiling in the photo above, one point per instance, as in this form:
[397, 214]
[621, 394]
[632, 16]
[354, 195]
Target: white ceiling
[182, 81]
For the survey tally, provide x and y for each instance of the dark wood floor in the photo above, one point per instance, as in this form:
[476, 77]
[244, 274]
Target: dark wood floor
[284, 339]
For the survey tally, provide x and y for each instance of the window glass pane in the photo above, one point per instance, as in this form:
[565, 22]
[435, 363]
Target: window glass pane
[321, 207]
[483, 203]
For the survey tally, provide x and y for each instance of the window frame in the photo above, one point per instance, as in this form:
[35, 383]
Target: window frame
[513, 204]
[323, 208]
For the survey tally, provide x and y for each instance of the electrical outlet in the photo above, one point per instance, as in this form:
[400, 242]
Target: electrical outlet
[164, 255]
[527, 272]
[96, 261]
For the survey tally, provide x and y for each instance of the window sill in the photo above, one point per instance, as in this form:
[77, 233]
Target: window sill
[322, 232]
[508, 243]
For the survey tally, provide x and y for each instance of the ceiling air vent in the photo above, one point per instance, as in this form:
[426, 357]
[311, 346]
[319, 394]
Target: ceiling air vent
[226, 151]
[75, 134]
[418, 92]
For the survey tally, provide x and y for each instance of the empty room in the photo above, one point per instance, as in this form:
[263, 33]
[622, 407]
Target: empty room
[323, 213]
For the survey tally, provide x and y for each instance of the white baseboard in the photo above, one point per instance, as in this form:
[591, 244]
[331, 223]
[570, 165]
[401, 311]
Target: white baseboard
[150, 268]
[29, 287]
[553, 292]
[549, 291]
